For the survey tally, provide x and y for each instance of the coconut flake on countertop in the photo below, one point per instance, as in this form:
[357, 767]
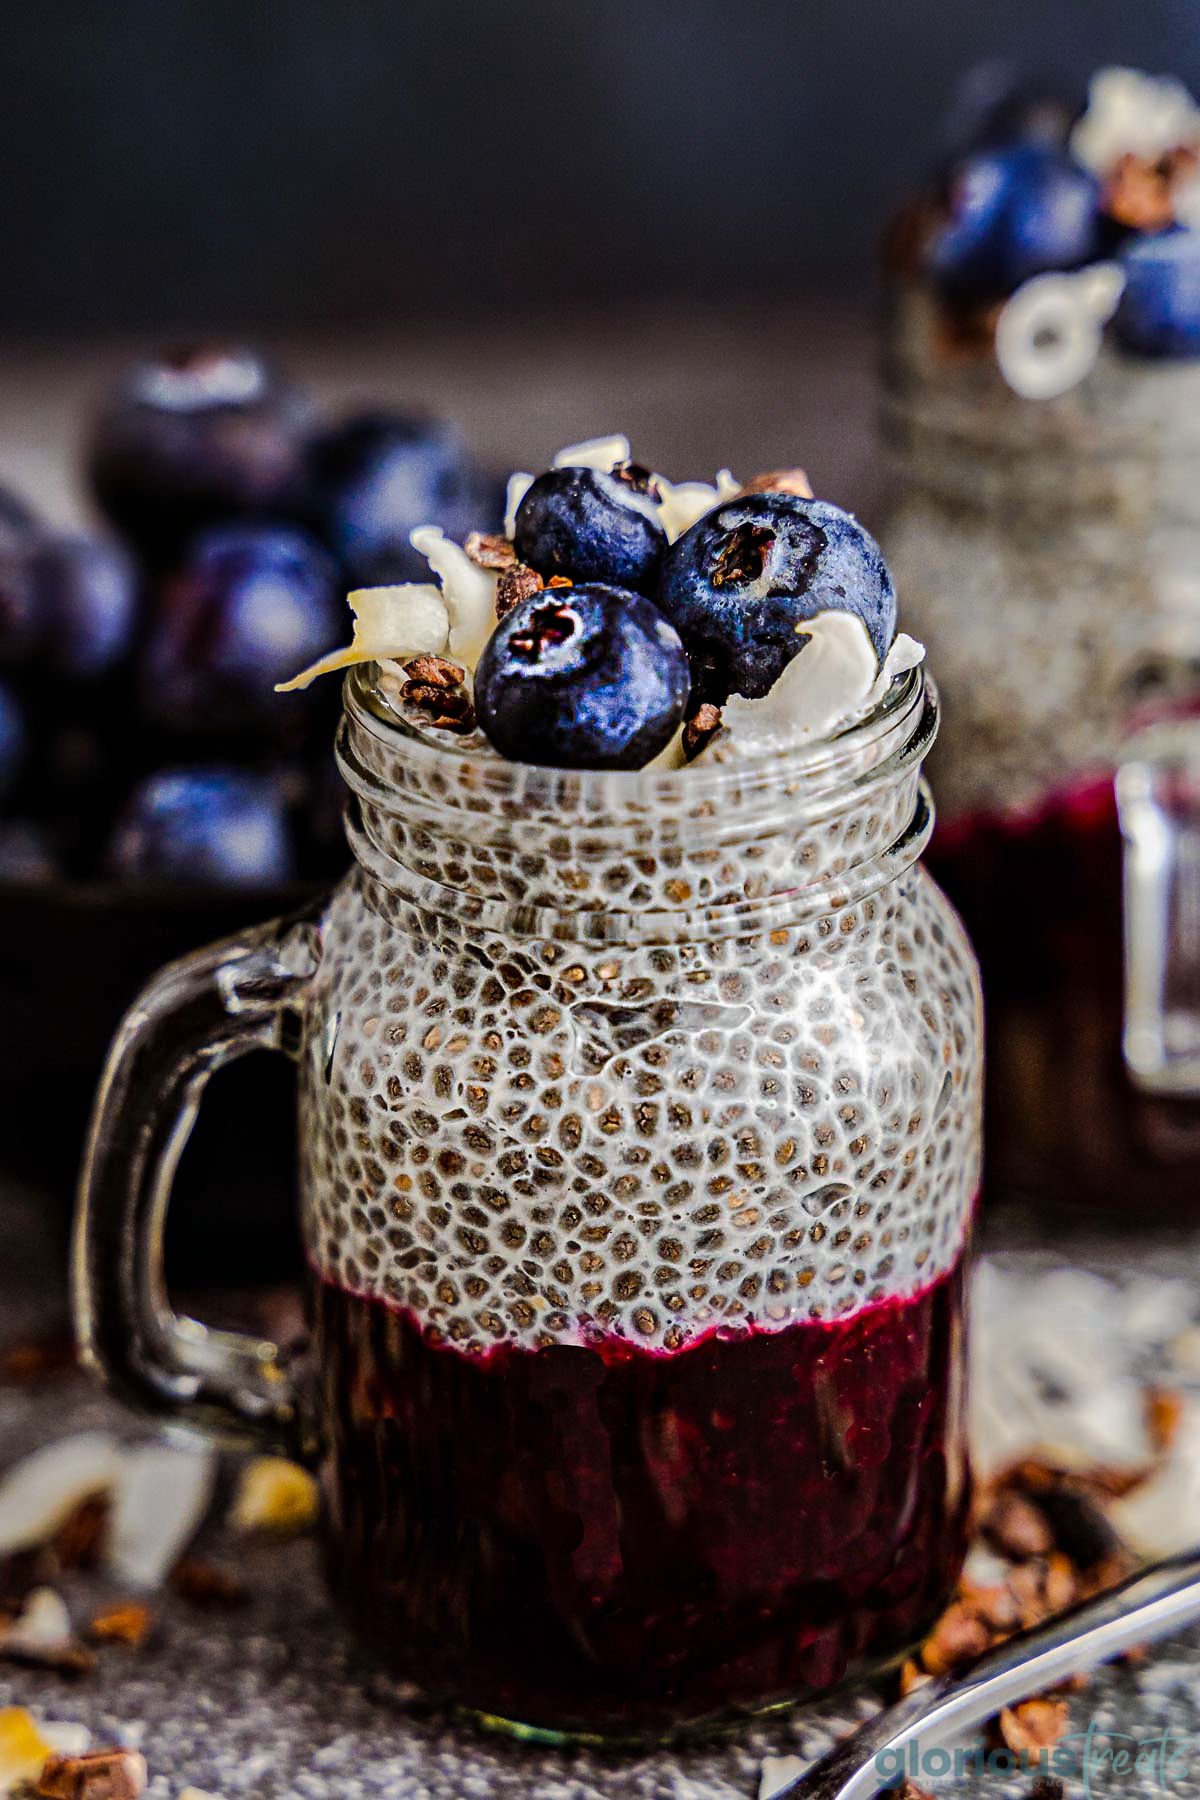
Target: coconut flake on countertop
[40, 1493]
[777, 1772]
[835, 676]
[1051, 1373]
[159, 1501]
[1162, 1515]
[391, 624]
[43, 1624]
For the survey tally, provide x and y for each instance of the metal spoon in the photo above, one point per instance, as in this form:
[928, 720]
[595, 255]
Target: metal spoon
[1149, 1605]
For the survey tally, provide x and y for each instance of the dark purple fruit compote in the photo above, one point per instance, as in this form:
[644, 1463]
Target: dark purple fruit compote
[600, 1537]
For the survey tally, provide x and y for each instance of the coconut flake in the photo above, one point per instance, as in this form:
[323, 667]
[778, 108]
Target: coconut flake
[604, 454]
[1132, 114]
[1049, 334]
[777, 1772]
[831, 677]
[40, 1493]
[390, 624]
[160, 1498]
[683, 503]
[42, 1624]
[468, 592]
[274, 1495]
[519, 484]
[1158, 1517]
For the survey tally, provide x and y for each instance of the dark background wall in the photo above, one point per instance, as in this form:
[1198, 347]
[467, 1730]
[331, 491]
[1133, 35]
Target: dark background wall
[191, 163]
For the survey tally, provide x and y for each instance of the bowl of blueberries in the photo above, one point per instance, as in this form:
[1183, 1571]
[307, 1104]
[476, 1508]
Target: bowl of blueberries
[154, 793]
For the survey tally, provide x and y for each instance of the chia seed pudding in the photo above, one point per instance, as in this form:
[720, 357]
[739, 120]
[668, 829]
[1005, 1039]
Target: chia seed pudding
[1041, 404]
[641, 1126]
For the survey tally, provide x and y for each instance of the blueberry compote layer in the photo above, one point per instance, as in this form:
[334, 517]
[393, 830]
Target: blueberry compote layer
[605, 1538]
[1041, 896]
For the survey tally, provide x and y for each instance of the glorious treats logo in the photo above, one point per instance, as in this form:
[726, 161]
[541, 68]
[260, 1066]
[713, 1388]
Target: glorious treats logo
[1101, 1757]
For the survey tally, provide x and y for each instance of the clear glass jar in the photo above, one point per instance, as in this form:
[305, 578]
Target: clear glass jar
[1048, 553]
[639, 1123]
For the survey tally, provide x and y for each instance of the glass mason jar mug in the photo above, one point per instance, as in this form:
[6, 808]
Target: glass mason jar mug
[639, 1124]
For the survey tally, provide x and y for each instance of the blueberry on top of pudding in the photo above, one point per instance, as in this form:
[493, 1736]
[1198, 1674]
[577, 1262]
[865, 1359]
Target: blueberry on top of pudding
[743, 582]
[587, 677]
[593, 525]
[1159, 310]
[1014, 212]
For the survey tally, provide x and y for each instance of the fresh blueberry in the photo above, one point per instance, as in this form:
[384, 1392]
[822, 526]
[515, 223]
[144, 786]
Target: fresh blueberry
[1014, 213]
[590, 526]
[582, 678]
[1159, 313]
[194, 438]
[375, 477]
[250, 605]
[13, 738]
[205, 826]
[740, 584]
[87, 598]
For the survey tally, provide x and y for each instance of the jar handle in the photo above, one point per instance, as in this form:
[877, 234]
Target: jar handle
[1158, 798]
[195, 1015]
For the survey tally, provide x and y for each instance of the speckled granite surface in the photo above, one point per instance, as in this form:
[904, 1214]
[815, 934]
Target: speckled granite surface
[273, 1700]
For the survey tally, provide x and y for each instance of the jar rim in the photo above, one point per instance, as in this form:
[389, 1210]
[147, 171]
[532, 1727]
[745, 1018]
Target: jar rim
[819, 765]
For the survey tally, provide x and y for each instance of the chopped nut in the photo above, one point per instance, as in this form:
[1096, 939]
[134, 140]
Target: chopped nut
[1034, 1725]
[1043, 1588]
[129, 1624]
[97, 1775]
[1081, 1530]
[704, 723]
[205, 1584]
[446, 709]
[435, 671]
[1164, 1411]
[958, 1637]
[491, 550]
[994, 1605]
[777, 481]
[516, 584]
[1015, 1526]
[912, 1676]
[1141, 191]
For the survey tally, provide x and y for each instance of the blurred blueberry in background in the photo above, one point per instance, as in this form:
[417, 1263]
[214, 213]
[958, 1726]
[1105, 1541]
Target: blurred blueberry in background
[207, 826]
[194, 437]
[250, 606]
